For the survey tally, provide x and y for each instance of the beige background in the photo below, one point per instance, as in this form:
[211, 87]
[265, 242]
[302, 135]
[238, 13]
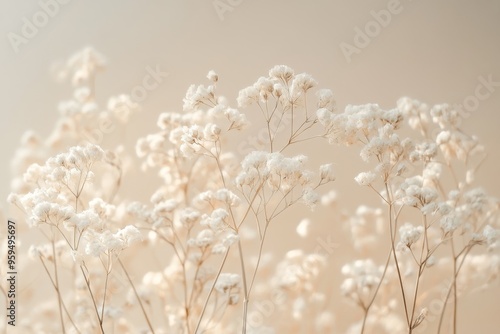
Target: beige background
[433, 51]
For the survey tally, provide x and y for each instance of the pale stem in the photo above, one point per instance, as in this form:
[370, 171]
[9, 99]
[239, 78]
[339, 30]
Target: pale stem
[210, 292]
[87, 282]
[56, 276]
[137, 296]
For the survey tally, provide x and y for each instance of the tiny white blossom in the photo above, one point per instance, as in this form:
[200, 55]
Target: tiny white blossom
[212, 76]
[303, 227]
[326, 172]
[227, 281]
[409, 235]
[365, 178]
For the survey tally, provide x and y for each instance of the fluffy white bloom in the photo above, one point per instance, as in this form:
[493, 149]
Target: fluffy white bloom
[196, 95]
[226, 282]
[326, 172]
[362, 277]
[223, 195]
[298, 270]
[230, 239]
[279, 171]
[101, 208]
[122, 106]
[205, 238]
[412, 191]
[129, 234]
[217, 219]
[163, 208]
[416, 112]
[325, 99]
[189, 216]
[444, 115]
[310, 197]
[325, 117]
[329, 199]
[365, 178]
[303, 227]
[301, 84]
[212, 76]
[450, 222]
[490, 235]
[237, 120]
[282, 72]
[211, 132]
[86, 218]
[409, 235]
[247, 96]
[424, 151]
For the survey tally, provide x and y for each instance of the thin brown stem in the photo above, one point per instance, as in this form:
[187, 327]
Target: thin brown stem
[87, 283]
[137, 296]
[56, 277]
[210, 292]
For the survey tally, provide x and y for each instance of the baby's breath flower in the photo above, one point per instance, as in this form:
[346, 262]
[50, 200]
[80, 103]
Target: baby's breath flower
[310, 197]
[490, 235]
[303, 227]
[365, 178]
[204, 239]
[212, 76]
[226, 282]
[450, 222]
[282, 72]
[409, 235]
[326, 172]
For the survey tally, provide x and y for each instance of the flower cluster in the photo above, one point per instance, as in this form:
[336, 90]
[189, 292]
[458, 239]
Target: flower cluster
[413, 173]
[201, 259]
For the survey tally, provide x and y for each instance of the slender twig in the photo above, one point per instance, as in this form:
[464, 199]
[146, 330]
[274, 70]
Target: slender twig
[393, 230]
[137, 296]
[57, 291]
[56, 277]
[87, 282]
[108, 270]
[210, 292]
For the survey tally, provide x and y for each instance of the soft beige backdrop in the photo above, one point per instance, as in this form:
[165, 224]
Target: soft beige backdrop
[431, 50]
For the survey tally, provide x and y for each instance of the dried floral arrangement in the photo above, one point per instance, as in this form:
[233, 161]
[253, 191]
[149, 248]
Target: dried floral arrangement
[208, 220]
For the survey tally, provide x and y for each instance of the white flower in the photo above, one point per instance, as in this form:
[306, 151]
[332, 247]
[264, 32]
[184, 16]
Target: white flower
[217, 220]
[362, 276]
[409, 234]
[303, 227]
[212, 76]
[310, 197]
[329, 199]
[326, 172]
[122, 106]
[301, 84]
[490, 235]
[238, 120]
[204, 239]
[223, 195]
[226, 282]
[230, 239]
[325, 99]
[129, 234]
[365, 178]
[282, 72]
[450, 222]
[247, 96]
[86, 218]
